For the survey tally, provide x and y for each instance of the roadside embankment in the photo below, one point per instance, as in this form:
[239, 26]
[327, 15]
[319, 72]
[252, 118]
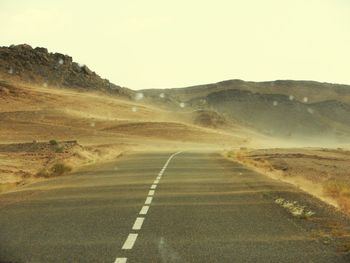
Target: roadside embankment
[23, 163]
[324, 173]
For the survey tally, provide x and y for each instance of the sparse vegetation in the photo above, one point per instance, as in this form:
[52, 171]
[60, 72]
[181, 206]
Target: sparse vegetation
[43, 173]
[57, 169]
[53, 142]
[60, 169]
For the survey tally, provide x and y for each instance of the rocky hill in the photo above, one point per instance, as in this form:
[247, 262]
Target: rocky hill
[279, 115]
[289, 109]
[312, 90]
[36, 65]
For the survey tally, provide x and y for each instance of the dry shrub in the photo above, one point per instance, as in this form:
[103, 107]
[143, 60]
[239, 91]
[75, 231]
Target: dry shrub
[57, 169]
[43, 173]
[60, 169]
[53, 142]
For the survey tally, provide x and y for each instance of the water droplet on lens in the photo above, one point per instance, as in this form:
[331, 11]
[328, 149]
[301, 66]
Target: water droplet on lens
[139, 96]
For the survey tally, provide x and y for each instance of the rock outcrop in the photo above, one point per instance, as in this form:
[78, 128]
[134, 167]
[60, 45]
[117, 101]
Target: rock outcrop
[37, 65]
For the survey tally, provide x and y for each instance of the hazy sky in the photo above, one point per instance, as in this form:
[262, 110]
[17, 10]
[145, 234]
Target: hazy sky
[164, 44]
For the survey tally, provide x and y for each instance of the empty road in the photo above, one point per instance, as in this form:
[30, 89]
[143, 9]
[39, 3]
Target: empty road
[163, 207]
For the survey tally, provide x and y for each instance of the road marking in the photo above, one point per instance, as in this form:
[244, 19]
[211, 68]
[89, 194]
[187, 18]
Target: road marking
[144, 210]
[130, 241]
[148, 200]
[120, 260]
[138, 223]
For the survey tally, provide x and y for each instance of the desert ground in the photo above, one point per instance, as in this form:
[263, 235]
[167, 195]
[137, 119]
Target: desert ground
[320, 171]
[56, 118]
[45, 126]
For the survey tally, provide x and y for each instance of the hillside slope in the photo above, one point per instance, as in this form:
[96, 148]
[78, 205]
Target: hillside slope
[284, 109]
[312, 90]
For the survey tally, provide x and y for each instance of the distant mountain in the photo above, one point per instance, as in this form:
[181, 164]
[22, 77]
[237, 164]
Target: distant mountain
[288, 109]
[37, 65]
[299, 90]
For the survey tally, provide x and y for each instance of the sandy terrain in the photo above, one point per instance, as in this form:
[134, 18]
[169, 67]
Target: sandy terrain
[104, 126]
[36, 113]
[23, 163]
[321, 172]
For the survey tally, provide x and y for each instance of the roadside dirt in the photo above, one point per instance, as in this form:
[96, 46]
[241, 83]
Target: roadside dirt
[23, 163]
[324, 173]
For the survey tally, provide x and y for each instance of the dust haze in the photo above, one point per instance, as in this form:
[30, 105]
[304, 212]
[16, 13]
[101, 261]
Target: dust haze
[58, 116]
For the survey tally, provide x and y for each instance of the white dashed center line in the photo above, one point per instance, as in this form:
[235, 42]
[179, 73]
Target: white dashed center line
[120, 260]
[144, 210]
[131, 239]
[148, 200]
[138, 223]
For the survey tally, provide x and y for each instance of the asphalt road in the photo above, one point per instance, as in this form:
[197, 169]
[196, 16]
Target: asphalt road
[201, 208]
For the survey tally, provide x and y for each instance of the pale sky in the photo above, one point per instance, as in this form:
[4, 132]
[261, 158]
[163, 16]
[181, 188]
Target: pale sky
[165, 44]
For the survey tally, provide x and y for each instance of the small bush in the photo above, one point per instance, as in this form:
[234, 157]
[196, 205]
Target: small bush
[60, 169]
[53, 142]
[43, 173]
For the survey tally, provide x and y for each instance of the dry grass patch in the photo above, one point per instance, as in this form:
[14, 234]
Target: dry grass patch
[340, 191]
